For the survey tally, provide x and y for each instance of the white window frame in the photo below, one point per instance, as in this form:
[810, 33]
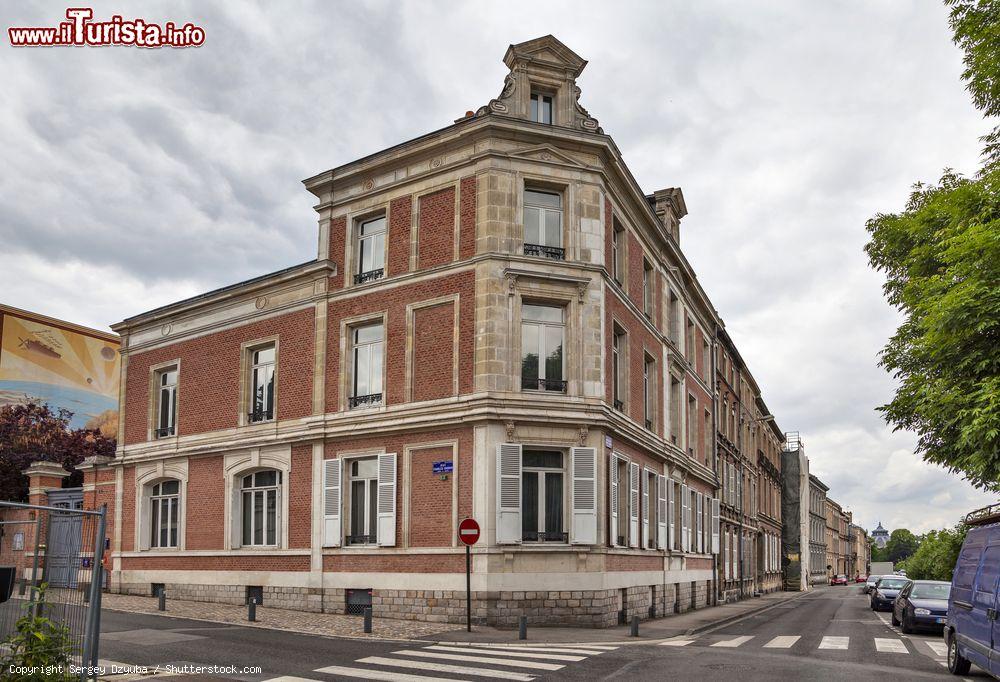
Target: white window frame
[535, 108]
[172, 405]
[371, 496]
[647, 288]
[263, 492]
[543, 211]
[252, 367]
[617, 252]
[157, 500]
[360, 269]
[542, 326]
[542, 473]
[369, 347]
[649, 391]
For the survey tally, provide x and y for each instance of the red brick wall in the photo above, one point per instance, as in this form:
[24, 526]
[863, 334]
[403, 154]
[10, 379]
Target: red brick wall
[433, 352]
[400, 216]
[338, 235]
[467, 218]
[165, 562]
[635, 258]
[436, 237]
[394, 302]
[300, 498]
[208, 383]
[640, 341]
[395, 563]
[128, 509]
[431, 525]
[632, 562]
[206, 504]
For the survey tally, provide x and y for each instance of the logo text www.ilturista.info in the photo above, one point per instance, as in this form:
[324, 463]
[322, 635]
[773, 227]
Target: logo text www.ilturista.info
[81, 30]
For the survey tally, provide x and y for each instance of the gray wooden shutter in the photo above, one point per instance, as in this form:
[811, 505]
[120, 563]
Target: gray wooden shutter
[584, 467]
[633, 504]
[387, 500]
[613, 500]
[332, 530]
[699, 521]
[508, 493]
[672, 514]
[685, 519]
[661, 512]
[715, 525]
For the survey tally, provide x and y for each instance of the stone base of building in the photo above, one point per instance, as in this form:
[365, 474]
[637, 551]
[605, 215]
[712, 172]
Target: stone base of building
[583, 608]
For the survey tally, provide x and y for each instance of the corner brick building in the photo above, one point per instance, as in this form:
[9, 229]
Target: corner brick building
[499, 324]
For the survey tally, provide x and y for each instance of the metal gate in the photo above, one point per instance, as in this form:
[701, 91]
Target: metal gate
[52, 555]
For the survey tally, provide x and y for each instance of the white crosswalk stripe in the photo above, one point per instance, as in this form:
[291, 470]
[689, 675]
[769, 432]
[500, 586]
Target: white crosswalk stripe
[492, 651]
[735, 642]
[549, 649]
[676, 642]
[510, 663]
[384, 676]
[445, 668]
[782, 642]
[890, 646]
[290, 678]
[829, 642]
[939, 648]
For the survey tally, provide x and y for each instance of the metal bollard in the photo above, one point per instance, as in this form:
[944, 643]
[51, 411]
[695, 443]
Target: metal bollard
[522, 628]
[162, 606]
[23, 587]
[634, 629]
[652, 611]
[252, 610]
[368, 620]
[86, 595]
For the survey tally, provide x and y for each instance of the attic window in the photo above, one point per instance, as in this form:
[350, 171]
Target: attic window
[541, 108]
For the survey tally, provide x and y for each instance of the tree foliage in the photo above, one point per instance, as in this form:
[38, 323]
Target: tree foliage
[902, 543]
[941, 260]
[937, 555]
[33, 432]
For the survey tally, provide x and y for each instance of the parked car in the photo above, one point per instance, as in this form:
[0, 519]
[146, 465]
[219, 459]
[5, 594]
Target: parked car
[860, 578]
[885, 592]
[870, 583]
[838, 580]
[922, 604]
[972, 631]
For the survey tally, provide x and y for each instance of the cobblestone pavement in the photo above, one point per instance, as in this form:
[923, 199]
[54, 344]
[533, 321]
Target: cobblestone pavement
[326, 624]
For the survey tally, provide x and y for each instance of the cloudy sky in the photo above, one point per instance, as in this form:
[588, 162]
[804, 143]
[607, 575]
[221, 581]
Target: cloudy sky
[133, 178]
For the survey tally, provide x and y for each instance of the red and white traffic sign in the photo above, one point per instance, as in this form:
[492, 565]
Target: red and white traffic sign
[468, 531]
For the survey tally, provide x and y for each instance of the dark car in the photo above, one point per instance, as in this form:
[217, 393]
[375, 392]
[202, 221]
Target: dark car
[838, 580]
[972, 631]
[885, 592]
[922, 604]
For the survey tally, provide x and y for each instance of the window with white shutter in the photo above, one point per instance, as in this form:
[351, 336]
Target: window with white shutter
[661, 512]
[715, 525]
[387, 500]
[699, 525]
[332, 531]
[672, 514]
[584, 469]
[508, 493]
[645, 509]
[633, 502]
[685, 519]
[613, 500]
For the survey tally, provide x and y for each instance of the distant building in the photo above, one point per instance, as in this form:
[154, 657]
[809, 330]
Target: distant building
[880, 536]
[795, 491]
[65, 365]
[817, 531]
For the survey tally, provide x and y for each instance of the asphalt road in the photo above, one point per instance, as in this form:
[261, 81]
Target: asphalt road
[829, 634]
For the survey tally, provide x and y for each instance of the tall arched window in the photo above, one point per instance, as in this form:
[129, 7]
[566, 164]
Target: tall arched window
[261, 500]
[164, 514]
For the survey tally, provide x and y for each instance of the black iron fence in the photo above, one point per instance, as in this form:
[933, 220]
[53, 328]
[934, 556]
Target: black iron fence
[51, 577]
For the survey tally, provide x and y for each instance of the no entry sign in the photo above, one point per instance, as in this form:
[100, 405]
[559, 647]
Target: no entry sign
[468, 531]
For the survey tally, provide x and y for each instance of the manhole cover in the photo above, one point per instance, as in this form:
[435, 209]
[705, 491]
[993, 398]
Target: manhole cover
[728, 666]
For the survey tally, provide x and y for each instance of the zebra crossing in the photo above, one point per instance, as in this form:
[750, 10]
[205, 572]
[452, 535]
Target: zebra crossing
[447, 662]
[832, 643]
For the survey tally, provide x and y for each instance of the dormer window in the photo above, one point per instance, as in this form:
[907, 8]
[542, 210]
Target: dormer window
[541, 108]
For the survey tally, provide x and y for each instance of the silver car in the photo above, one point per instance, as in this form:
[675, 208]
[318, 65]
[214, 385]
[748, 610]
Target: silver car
[870, 583]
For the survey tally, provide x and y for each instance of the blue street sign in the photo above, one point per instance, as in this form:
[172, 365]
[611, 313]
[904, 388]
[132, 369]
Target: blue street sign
[445, 467]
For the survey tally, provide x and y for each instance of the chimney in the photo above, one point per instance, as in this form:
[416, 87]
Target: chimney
[669, 206]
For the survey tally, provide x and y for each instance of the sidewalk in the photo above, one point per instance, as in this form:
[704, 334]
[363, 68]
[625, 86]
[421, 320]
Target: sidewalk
[689, 623]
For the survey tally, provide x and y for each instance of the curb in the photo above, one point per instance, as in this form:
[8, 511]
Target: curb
[740, 616]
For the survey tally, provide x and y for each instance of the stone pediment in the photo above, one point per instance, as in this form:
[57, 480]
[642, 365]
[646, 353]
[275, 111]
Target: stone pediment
[546, 50]
[546, 152]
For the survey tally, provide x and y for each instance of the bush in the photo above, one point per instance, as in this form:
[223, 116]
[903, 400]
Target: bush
[40, 645]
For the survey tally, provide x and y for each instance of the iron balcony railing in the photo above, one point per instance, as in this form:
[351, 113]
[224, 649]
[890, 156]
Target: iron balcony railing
[553, 385]
[553, 252]
[260, 416]
[369, 276]
[369, 400]
[165, 431]
[649, 424]
[361, 539]
[544, 536]
[619, 405]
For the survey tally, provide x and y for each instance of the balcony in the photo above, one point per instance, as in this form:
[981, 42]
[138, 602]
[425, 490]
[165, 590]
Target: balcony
[361, 540]
[649, 424]
[553, 252]
[258, 416]
[370, 400]
[619, 405]
[164, 432]
[550, 385]
[544, 536]
[369, 276]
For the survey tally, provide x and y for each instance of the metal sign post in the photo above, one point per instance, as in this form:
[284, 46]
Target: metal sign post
[468, 533]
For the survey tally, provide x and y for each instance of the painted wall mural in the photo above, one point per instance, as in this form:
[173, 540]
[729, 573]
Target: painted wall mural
[64, 368]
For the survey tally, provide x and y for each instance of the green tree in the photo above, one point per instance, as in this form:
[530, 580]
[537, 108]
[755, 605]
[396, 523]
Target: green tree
[902, 543]
[941, 260]
[936, 557]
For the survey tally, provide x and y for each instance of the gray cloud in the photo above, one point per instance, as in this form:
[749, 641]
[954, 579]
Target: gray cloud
[141, 177]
